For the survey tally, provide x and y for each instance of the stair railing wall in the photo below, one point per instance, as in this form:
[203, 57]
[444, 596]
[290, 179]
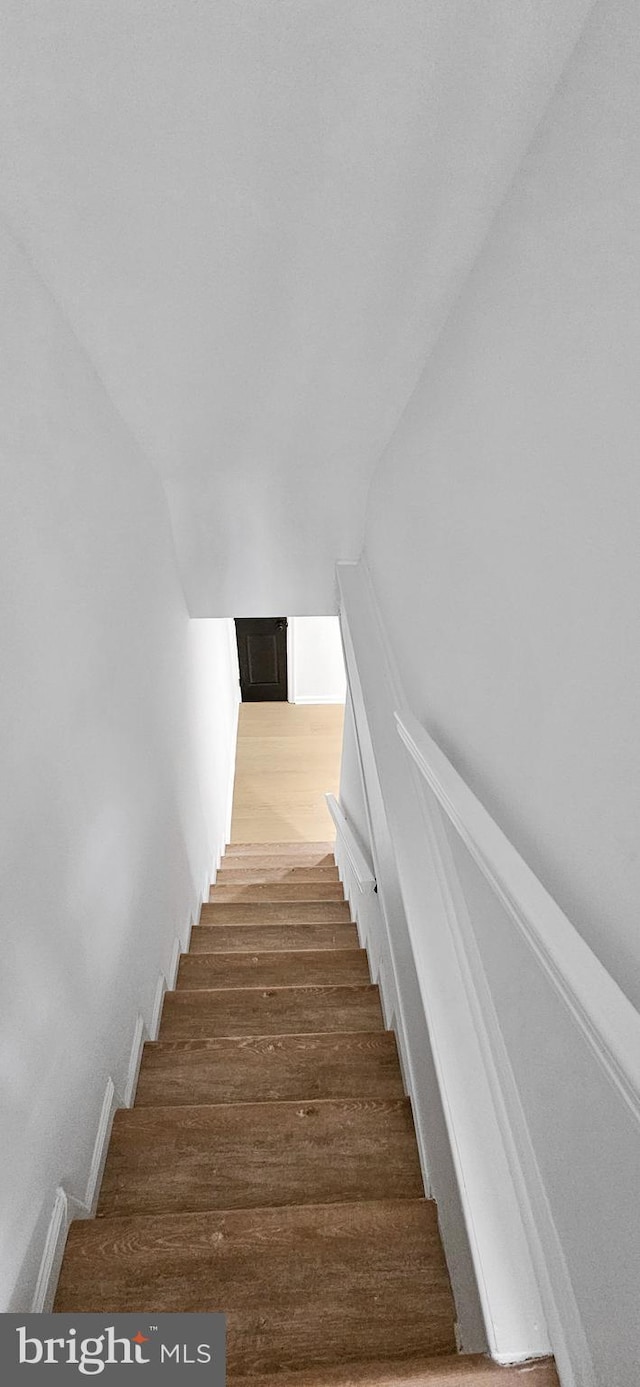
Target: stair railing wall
[489, 1193]
[564, 1058]
[384, 932]
[358, 879]
[531, 1043]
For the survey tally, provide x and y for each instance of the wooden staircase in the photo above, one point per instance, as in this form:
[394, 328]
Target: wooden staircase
[269, 1166]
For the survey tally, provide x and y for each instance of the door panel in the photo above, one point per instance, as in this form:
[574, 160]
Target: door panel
[262, 655]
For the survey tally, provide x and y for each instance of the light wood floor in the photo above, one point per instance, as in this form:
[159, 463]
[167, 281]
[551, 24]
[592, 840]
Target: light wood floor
[288, 758]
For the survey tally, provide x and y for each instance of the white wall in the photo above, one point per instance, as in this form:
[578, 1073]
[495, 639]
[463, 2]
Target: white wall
[256, 217]
[535, 1132]
[117, 720]
[215, 691]
[502, 533]
[315, 660]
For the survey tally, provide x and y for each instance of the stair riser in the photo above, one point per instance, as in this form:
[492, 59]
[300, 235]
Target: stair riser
[288, 850]
[360, 1065]
[200, 1015]
[243, 1156]
[308, 968]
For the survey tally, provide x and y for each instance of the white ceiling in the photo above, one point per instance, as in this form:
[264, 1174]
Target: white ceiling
[255, 214]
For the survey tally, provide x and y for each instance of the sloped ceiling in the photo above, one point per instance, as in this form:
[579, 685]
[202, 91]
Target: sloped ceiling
[255, 215]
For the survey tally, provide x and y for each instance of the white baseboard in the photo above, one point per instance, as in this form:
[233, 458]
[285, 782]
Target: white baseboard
[382, 972]
[141, 1031]
[67, 1207]
[193, 920]
[174, 964]
[316, 698]
[133, 1069]
[109, 1104]
[52, 1254]
[161, 988]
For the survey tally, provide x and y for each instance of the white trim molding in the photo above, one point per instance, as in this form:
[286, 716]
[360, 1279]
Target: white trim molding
[514, 1319]
[67, 1206]
[535, 1047]
[109, 1104]
[158, 1002]
[607, 1019]
[53, 1252]
[135, 1059]
[362, 869]
[598, 1068]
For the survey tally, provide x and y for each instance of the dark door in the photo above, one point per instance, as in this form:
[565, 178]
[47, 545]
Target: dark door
[262, 655]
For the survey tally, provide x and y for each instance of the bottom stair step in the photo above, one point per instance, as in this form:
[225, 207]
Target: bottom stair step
[463, 1370]
[309, 1286]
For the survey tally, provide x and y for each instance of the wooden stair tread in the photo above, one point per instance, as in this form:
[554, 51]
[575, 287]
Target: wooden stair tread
[274, 913]
[254, 1155]
[459, 1370]
[279, 862]
[270, 1069]
[300, 1286]
[208, 939]
[250, 876]
[273, 892]
[200, 1014]
[259, 861]
[303, 968]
